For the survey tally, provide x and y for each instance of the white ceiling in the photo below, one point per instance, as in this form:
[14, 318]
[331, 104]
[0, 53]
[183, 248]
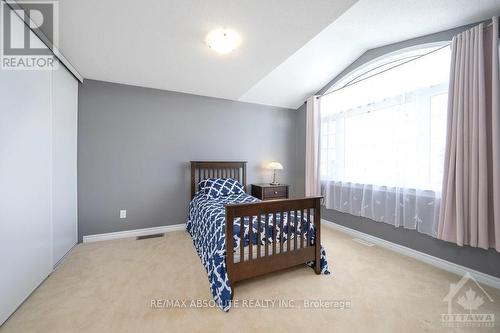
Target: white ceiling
[290, 49]
[160, 43]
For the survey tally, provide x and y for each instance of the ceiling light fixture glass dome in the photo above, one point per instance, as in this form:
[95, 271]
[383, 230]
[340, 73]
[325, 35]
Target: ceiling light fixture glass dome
[223, 41]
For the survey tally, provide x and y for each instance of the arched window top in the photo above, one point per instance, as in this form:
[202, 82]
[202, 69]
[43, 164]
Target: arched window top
[389, 61]
[393, 74]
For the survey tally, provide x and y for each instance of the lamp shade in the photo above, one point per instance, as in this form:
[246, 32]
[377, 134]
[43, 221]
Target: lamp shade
[275, 166]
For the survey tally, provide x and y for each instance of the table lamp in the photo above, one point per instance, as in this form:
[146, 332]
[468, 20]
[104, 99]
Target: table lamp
[275, 166]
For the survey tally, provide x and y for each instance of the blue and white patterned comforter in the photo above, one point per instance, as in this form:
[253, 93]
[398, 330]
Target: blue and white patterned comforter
[206, 225]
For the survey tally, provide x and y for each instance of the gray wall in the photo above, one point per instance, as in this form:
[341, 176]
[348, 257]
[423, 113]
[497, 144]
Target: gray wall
[478, 259]
[135, 144]
[481, 260]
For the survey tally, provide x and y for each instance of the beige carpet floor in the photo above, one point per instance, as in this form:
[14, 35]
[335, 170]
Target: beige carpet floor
[108, 287]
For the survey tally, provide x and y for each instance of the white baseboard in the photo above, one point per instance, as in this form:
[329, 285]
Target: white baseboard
[133, 233]
[487, 279]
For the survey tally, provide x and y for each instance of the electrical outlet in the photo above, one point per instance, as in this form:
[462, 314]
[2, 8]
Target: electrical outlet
[123, 214]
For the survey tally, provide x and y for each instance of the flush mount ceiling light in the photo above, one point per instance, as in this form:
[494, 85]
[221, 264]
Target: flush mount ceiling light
[223, 41]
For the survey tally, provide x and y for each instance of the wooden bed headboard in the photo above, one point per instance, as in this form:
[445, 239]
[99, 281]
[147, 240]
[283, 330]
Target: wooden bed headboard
[217, 169]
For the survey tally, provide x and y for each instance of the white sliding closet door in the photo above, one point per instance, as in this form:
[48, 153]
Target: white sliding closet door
[64, 145]
[38, 207]
[25, 168]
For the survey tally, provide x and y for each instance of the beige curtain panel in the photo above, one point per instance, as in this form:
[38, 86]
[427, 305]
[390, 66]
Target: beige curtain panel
[470, 206]
[313, 185]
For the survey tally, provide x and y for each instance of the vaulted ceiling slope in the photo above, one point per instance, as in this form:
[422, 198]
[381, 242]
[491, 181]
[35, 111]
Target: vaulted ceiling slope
[366, 25]
[290, 49]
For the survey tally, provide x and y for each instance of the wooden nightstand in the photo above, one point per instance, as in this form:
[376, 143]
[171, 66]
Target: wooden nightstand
[270, 192]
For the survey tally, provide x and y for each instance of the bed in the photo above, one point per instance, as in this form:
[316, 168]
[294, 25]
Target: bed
[274, 234]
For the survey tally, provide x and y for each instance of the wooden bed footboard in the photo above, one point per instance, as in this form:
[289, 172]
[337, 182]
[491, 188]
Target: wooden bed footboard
[273, 255]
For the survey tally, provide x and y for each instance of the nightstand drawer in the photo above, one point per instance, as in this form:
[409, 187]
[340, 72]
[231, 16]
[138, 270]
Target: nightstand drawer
[270, 192]
[275, 192]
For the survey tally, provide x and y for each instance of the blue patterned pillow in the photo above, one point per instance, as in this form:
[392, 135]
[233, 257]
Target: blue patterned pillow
[216, 187]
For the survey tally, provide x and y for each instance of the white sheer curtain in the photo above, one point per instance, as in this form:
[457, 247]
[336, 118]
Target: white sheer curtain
[382, 142]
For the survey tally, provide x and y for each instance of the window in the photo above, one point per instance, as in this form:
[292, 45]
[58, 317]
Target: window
[383, 133]
[389, 129]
